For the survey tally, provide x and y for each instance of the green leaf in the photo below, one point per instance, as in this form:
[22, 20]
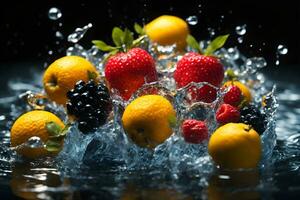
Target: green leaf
[128, 38]
[193, 43]
[91, 75]
[138, 29]
[230, 74]
[103, 46]
[137, 41]
[216, 44]
[53, 128]
[53, 146]
[118, 36]
[172, 120]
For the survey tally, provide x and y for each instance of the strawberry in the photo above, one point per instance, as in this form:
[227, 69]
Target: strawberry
[194, 67]
[194, 131]
[127, 72]
[127, 67]
[227, 113]
[198, 67]
[233, 96]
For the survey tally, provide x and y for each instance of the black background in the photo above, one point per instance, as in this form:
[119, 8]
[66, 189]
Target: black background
[28, 34]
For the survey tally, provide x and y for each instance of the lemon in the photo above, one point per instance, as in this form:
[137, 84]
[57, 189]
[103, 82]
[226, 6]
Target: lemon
[168, 30]
[235, 145]
[244, 89]
[31, 124]
[61, 76]
[146, 120]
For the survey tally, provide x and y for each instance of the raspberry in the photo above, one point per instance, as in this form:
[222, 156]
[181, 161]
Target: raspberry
[90, 104]
[227, 113]
[233, 96]
[194, 131]
[251, 115]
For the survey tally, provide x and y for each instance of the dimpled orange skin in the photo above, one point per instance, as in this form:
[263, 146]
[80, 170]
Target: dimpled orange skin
[61, 76]
[146, 120]
[32, 124]
[168, 30]
[233, 146]
[244, 89]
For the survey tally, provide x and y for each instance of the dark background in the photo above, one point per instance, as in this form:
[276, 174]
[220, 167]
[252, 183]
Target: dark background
[26, 32]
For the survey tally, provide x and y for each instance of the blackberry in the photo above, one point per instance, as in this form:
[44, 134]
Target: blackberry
[251, 115]
[90, 104]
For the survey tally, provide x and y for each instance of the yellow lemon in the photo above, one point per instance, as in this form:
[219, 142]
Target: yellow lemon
[61, 76]
[168, 30]
[146, 120]
[244, 89]
[235, 145]
[31, 124]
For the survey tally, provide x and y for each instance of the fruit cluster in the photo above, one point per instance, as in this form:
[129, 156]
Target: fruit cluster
[90, 104]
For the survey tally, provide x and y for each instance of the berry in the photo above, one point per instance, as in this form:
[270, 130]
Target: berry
[194, 131]
[233, 96]
[90, 104]
[127, 72]
[194, 67]
[227, 113]
[251, 115]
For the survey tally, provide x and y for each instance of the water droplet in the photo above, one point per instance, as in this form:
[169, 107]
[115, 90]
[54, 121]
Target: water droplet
[192, 20]
[282, 49]
[211, 31]
[277, 62]
[59, 35]
[79, 33]
[34, 142]
[240, 40]
[54, 13]
[60, 24]
[50, 52]
[241, 30]
[2, 117]
[255, 63]
[233, 53]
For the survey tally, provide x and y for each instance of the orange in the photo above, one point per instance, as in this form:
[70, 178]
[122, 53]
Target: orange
[235, 145]
[244, 89]
[168, 30]
[31, 124]
[61, 76]
[146, 120]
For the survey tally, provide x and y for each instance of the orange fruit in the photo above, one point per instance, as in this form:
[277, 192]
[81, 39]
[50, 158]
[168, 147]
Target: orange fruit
[235, 145]
[31, 124]
[146, 120]
[61, 76]
[168, 30]
[244, 89]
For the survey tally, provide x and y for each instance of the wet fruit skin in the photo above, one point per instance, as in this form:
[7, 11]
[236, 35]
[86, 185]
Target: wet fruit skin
[193, 67]
[127, 72]
[31, 124]
[235, 145]
[233, 96]
[244, 89]
[62, 74]
[168, 30]
[194, 131]
[90, 104]
[227, 113]
[146, 120]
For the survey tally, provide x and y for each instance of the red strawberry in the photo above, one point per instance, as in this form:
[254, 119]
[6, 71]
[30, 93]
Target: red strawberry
[194, 131]
[194, 67]
[233, 96]
[127, 72]
[227, 113]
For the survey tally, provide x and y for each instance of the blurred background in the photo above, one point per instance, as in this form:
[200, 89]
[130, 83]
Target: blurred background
[28, 34]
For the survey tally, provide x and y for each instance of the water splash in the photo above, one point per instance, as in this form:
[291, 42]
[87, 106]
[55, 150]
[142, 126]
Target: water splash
[54, 13]
[282, 49]
[79, 33]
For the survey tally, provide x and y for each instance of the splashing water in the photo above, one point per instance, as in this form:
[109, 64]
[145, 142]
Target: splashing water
[281, 50]
[79, 33]
[54, 13]
[241, 30]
